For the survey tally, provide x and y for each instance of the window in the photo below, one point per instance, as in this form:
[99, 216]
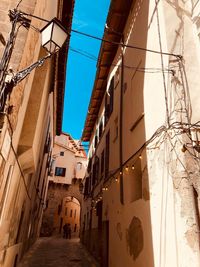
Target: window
[95, 171]
[116, 129]
[97, 168]
[74, 214]
[89, 165]
[111, 93]
[71, 213]
[107, 155]
[109, 100]
[60, 171]
[102, 163]
[107, 108]
[100, 128]
[62, 153]
[65, 211]
[95, 141]
[79, 166]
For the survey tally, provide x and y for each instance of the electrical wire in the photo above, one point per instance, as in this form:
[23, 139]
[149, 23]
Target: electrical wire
[18, 4]
[125, 45]
[108, 41]
[146, 70]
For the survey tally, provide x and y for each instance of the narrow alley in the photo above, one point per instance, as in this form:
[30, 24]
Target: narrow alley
[57, 251]
[99, 133]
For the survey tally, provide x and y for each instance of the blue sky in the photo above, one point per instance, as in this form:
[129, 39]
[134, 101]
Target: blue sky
[89, 17]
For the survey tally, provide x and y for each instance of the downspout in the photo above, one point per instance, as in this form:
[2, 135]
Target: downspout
[121, 126]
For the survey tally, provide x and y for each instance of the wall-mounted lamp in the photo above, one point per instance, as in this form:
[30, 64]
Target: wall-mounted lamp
[54, 36]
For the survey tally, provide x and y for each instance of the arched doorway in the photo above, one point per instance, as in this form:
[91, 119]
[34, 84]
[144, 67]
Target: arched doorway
[70, 216]
[63, 207]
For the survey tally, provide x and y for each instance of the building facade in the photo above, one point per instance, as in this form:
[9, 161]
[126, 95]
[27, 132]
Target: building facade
[64, 196]
[31, 115]
[141, 191]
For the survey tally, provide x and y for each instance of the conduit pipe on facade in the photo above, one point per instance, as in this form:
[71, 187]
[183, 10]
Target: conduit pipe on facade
[121, 126]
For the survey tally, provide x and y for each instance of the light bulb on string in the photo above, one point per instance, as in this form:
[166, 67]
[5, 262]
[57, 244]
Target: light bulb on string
[132, 167]
[126, 168]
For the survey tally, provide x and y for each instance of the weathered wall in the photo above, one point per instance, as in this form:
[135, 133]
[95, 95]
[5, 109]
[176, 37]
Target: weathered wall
[158, 223]
[24, 177]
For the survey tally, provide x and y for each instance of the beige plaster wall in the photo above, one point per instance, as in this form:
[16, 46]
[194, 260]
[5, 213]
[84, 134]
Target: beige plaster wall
[30, 170]
[159, 227]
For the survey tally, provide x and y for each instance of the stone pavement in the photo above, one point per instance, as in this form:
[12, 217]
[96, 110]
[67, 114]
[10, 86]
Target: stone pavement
[57, 252]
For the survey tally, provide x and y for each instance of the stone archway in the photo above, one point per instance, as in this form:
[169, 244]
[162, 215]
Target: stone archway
[52, 220]
[70, 218]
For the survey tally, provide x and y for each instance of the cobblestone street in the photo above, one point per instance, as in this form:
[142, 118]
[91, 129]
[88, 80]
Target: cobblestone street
[58, 252]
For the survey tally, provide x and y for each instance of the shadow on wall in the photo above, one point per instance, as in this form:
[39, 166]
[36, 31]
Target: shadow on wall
[136, 212]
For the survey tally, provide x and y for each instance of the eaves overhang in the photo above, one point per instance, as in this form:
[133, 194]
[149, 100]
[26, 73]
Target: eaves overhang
[116, 20]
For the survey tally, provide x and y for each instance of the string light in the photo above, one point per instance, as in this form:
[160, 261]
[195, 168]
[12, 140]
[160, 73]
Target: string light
[173, 130]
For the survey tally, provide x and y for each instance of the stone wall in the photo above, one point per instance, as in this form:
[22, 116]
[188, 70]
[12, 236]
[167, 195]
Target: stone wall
[5, 26]
[56, 193]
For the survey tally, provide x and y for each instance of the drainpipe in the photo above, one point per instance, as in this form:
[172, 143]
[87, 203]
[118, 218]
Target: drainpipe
[121, 126]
